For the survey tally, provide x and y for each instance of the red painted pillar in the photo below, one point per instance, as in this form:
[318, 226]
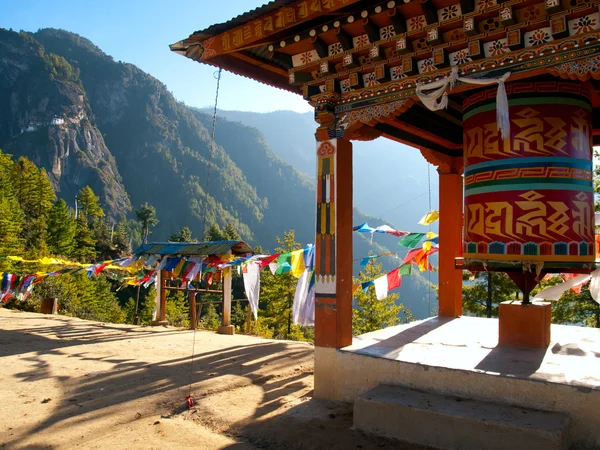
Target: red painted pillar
[333, 257]
[451, 212]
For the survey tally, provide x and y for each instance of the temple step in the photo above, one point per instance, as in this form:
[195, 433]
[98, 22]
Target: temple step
[448, 422]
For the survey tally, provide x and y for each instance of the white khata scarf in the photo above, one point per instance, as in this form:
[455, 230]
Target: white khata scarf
[434, 96]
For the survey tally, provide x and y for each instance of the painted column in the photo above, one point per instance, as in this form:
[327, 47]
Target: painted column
[333, 258]
[450, 278]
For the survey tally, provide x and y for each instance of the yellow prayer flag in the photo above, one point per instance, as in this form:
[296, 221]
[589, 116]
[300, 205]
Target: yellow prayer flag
[427, 246]
[298, 266]
[178, 268]
[430, 217]
[431, 235]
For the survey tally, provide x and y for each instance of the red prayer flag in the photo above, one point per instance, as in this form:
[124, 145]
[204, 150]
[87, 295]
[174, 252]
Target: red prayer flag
[394, 279]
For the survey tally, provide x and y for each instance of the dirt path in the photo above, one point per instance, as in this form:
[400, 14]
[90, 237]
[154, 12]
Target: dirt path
[68, 383]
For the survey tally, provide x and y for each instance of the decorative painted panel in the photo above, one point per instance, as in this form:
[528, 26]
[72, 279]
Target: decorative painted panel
[459, 57]
[370, 79]
[335, 49]
[584, 24]
[449, 12]
[387, 32]
[304, 58]
[416, 23]
[396, 73]
[496, 48]
[360, 41]
[483, 4]
[530, 197]
[426, 65]
[538, 37]
[325, 231]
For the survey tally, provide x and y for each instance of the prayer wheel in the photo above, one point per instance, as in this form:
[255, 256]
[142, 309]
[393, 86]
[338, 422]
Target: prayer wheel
[530, 198]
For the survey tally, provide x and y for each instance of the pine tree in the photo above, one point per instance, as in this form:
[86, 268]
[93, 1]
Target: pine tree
[183, 235]
[88, 205]
[214, 233]
[277, 292]
[370, 314]
[36, 196]
[61, 230]
[85, 244]
[146, 215]
[121, 239]
[11, 215]
[230, 233]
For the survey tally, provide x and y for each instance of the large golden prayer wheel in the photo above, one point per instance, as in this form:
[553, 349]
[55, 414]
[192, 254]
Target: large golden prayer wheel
[530, 198]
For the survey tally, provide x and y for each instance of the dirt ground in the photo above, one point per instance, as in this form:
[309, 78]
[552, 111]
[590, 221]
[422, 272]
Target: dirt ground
[70, 383]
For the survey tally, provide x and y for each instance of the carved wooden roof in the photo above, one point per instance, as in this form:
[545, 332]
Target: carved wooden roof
[355, 55]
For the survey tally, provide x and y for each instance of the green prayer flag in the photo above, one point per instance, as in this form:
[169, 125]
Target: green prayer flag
[405, 269]
[411, 240]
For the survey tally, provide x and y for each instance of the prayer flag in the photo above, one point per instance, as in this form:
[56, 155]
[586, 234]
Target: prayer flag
[297, 264]
[386, 283]
[251, 275]
[411, 240]
[429, 218]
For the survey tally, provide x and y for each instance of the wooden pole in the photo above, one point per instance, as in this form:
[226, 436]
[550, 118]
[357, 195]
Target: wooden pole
[450, 278]
[226, 327]
[193, 321]
[163, 297]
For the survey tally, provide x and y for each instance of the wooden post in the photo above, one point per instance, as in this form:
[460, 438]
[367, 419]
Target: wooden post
[333, 258]
[226, 327]
[193, 320]
[163, 298]
[159, 316]
[450, 278]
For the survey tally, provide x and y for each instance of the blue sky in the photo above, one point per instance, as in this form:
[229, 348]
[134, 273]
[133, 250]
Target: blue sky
[139, 32]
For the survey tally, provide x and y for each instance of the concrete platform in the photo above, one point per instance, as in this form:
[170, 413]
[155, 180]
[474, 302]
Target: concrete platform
[446, 422]
[461, 357]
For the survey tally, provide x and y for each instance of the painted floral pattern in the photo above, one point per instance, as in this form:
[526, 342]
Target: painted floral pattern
[361, 41]
[460, 57]
[482, 4]
[416, 23]
[345, 85]
[396, 73]
[449, 12]
[369, 79]
[427, 65]
[497, 48]
[335, 49]
[387, 32]
[306, 57]
[539, 37]
[584, 25]
[532, 12]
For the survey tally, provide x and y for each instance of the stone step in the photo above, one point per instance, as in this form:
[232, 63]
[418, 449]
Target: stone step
[447, 422]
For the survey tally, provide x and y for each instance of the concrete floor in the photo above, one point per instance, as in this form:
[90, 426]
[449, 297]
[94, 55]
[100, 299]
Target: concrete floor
[470, 344]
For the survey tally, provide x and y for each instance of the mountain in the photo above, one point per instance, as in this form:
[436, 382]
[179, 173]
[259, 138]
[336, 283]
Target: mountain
[90, 120]
[390, 179]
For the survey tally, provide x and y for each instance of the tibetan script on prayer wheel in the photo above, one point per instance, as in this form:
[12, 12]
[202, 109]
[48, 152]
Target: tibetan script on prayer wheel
[530, 197]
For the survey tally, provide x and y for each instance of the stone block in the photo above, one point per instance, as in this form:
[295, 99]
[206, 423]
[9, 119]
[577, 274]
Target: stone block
[448, 422]
[524, 325]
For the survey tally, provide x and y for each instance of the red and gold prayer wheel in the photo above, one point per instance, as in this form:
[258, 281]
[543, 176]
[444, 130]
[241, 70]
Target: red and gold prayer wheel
[530, 197]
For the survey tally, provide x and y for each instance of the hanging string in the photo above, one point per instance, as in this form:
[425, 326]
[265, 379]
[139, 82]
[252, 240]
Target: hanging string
[429, 273]
[217, 75]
